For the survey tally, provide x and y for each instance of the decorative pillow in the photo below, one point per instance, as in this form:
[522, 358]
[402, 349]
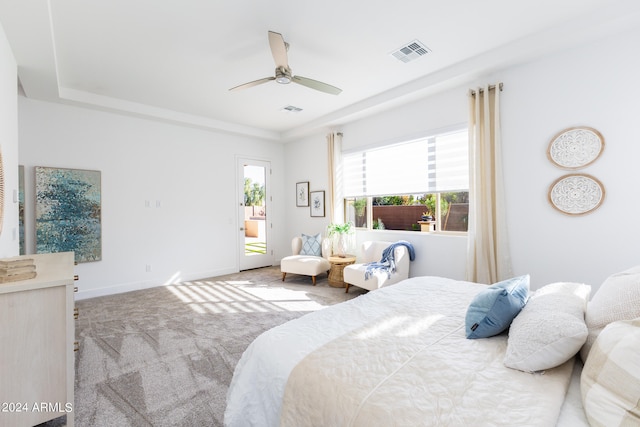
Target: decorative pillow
[550, 329]
[618, 298]
[311, 245]
[610, 381]
[493, 309]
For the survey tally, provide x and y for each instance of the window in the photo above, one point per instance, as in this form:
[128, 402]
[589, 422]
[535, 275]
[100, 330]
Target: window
[410, 185]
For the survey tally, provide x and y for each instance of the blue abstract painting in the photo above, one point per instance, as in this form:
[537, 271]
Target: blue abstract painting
[22, 241]
[68, 212]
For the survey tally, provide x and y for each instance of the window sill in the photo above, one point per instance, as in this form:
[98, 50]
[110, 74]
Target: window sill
[415, 233]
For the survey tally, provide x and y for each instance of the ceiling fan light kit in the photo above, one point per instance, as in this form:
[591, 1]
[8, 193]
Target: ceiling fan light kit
[282, 76]
[283, 73]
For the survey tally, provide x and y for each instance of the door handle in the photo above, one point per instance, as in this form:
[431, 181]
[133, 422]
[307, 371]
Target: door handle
[241, 228]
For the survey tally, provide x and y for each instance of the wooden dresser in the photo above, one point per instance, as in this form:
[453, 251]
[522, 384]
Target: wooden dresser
[37, 343]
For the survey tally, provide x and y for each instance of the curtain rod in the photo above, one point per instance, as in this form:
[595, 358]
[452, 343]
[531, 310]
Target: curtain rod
[491, 87]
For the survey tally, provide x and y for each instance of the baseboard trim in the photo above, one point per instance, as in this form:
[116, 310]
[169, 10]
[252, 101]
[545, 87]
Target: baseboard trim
[136, 286]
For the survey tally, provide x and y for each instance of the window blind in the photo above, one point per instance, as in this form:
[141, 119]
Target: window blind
[435, 164]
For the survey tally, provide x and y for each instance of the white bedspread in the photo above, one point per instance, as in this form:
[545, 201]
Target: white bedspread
[405, 348]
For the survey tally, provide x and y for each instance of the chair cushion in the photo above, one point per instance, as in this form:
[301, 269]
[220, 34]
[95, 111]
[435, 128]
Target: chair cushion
[304, 264]
[354, 275]
[493, 309]
[311, 245]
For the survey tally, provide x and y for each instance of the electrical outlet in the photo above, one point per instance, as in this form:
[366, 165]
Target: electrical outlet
[148, 268]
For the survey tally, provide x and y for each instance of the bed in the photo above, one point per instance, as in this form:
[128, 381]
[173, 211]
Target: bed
[399, 356]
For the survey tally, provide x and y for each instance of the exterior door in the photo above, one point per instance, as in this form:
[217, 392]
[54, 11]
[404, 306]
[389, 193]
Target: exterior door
[254, 224]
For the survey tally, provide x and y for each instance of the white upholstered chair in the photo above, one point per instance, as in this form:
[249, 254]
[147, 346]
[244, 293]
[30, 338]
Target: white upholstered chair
[354, 274]
[308, 265]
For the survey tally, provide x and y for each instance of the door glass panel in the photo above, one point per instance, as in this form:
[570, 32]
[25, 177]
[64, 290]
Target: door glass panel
[255, 211]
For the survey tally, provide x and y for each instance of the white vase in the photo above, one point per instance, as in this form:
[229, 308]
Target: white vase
[342, 244]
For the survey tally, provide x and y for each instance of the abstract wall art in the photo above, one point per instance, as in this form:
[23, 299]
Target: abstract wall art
[22, 240]
[68, 212]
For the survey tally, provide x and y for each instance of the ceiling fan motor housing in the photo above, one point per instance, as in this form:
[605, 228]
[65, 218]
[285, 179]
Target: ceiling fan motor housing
[283, 75]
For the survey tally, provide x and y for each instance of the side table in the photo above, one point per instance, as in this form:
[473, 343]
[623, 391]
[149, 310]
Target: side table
[336, 274]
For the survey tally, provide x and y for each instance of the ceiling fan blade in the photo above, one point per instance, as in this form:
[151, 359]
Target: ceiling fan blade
[278, 49]
[253, 83]
[314, 84]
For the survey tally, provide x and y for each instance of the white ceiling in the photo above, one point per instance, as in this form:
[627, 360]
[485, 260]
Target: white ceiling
[175, 60]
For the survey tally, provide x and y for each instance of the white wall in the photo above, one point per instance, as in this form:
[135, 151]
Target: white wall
[9, 146]
[597, 86]
[594, 85]
[306, 160]
[189, 172]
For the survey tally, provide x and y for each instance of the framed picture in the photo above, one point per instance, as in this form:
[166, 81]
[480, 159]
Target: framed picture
[317, 203]
[302, 193]
[68, 212]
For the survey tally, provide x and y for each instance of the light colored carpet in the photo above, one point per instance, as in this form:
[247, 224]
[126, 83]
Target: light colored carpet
[165, 356]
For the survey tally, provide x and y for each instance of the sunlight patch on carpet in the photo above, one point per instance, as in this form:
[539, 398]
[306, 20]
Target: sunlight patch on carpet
[241, 297]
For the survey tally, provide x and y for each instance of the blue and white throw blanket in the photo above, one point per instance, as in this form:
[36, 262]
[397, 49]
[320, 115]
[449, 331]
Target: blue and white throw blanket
[388, 262]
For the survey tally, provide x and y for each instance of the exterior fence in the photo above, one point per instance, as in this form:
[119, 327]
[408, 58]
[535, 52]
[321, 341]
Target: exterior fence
[406, 217]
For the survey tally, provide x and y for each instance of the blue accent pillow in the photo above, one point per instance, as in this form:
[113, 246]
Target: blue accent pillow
[311, 245]
[492, 310]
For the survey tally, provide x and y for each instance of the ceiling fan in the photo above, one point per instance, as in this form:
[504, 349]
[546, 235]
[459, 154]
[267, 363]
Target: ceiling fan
[283, 73]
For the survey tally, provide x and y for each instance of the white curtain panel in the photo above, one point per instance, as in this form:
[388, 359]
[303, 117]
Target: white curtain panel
[336, 207]
[488, 258]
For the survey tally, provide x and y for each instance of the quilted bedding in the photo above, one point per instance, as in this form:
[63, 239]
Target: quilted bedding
[396, 356]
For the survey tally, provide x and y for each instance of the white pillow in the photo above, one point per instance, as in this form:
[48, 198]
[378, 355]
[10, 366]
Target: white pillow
[617, 299]
[610, 381]
[550, 329]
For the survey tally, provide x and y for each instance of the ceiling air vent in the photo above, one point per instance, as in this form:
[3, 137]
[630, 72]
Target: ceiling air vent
[291, 109]
[410, 51]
